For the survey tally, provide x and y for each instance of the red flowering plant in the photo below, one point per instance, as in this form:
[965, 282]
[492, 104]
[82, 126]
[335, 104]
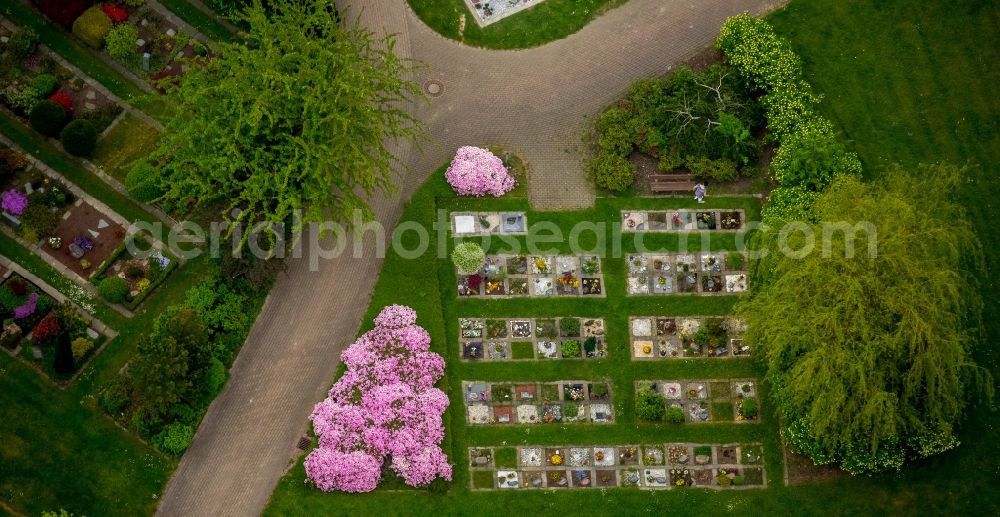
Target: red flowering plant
[63, 99]
[117, 14]
[18, 287]
[473, 282]
[47, 329]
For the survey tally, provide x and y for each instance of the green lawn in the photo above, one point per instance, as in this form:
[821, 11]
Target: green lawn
[205, 23]
[545, 22]
[131, 138]
[55, 452]
[906, 83]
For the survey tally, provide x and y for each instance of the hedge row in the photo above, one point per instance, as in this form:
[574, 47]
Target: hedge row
[809, 156]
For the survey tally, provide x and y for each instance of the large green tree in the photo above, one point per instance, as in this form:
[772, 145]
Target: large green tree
[869, 355]
[298, 116]
[172, 362]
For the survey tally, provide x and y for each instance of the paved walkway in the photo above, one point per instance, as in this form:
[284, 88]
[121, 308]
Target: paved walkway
[535, 102]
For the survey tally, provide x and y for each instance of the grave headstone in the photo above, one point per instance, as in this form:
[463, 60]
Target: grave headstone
[94, 234]
[145, 60]
[91, 333]
[101, 224]
[171, 32]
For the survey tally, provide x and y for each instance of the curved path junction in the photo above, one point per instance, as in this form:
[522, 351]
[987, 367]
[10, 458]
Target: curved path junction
[537, 103]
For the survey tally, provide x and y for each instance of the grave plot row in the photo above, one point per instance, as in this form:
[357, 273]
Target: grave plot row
[56, 339]
[539, 276]
[138, 266]
[682, 220]
[537, 402]
[648, 466]
[47, 212]
[464, 224]
[681, 273]
[531, 338]
[22, 306]
[713, 400]
[36, 75]
[486, 12]
[676, 337]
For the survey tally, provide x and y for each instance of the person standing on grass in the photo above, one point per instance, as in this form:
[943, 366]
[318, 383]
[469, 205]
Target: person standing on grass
[699, 192]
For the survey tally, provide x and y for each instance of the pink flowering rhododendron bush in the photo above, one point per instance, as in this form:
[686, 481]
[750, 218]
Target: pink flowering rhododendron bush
[384, 408]
[477, 172]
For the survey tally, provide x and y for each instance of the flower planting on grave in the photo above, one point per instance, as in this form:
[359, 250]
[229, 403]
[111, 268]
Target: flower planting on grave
[554, 467]
[48, 96]
[22, 306]
[679, 401]
[61, 343]
[127, 279]
[384, 408]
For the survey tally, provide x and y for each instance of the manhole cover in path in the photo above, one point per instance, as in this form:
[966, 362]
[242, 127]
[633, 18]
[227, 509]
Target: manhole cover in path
[433, 88]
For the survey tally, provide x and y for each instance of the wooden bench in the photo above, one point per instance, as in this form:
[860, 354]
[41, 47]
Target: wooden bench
[669, 183]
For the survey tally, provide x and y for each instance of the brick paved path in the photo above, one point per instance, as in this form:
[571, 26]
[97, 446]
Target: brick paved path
[535, 102]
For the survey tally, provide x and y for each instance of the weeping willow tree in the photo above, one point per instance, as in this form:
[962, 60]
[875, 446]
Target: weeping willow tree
[869, 353]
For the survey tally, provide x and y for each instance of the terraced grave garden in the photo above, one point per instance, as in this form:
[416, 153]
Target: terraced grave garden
[654, 466]
[532, 338]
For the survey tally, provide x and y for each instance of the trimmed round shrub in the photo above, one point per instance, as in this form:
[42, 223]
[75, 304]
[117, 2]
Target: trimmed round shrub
[45, 84]
[120, 42]
[48, 118]
[142, 183]
[113, 289]
[81, 346]
[175, 439]
[38, 222]
[650, 406]
[92, 26]
[468, 257]
[612, 171]
[674, 415]
[79, 137]
[22, 43]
